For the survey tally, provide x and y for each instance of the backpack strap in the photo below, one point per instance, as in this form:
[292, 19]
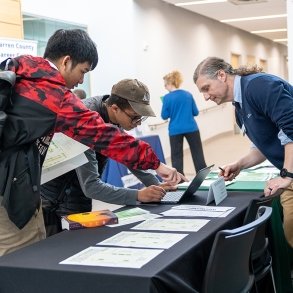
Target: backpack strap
[7, 81]
[54, 204]
[9, 64]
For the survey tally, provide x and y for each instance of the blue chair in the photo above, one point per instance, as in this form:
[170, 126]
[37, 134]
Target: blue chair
[228, 269]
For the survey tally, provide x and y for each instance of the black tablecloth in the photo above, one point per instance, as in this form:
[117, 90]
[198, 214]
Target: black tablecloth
[178, 269]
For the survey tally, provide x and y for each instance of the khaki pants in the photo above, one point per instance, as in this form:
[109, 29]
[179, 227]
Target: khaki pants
[287, 204]
[12, 238]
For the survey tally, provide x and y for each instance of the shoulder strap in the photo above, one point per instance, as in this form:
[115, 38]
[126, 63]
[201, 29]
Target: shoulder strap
[61, 195]
[8, 63]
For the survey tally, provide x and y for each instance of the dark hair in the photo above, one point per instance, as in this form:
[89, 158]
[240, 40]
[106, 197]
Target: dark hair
[120, 102]
[76, 43]
[211, 65]
[80, 93]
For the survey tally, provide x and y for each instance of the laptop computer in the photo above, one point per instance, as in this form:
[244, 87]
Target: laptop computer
[177, 196]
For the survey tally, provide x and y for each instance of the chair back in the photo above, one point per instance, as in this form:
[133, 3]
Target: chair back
[228, 265]
[251, 212]
[260, 242]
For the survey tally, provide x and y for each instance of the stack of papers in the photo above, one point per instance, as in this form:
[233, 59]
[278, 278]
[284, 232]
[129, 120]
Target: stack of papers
[143, 239]
[133, 215]
[113, 257]
[64, 154]
[257, 175]
[180, 225]
[198, 211]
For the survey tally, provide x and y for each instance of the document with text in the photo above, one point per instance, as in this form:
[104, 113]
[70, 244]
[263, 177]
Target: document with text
[112, 257]
[133, 215]
[198, 211]
[143, 239]
[64, 154]
[181, 225]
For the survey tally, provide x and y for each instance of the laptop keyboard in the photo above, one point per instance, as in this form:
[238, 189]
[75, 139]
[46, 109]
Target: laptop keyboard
[173, 196]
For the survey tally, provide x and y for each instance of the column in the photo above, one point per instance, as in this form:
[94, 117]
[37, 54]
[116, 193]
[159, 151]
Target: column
[290, 39]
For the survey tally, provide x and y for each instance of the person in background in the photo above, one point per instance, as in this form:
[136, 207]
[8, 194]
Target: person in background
[179, 106]
[264, 112]
[73, 192]
[42, 103]
[80, 93]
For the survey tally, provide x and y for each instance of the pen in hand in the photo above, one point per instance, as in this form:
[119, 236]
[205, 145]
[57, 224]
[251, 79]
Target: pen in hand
[223, 172]
[232, 174]
[221, 169]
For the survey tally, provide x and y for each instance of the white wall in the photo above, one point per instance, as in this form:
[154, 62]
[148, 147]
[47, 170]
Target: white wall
[110, 25]
[146, 39]
[179, 39]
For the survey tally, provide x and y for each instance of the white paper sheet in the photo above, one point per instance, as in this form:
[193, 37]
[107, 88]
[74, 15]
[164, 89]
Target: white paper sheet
[180, 225]
[134, 219]
[133, 215]
[61, 149]
[208, 182]
[198, 211]
[98, 205]
[254, 176]
[143, 239]
[64, 154]
[217, 191]
[62, 168]
[112, 257]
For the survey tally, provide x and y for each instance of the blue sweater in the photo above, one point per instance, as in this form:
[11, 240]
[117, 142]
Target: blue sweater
[267, 108]
[180, 107]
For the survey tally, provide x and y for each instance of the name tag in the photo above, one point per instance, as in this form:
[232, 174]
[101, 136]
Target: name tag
[217, 191]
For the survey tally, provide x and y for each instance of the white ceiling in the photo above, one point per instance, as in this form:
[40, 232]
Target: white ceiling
[245, 8]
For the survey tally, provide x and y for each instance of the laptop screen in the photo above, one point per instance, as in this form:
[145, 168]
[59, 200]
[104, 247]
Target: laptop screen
[198, 180]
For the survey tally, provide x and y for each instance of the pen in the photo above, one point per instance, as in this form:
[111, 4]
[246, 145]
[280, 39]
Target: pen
[221, 169]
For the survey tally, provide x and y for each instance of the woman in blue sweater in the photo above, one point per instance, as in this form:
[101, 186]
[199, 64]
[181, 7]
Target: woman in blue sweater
[179, 106]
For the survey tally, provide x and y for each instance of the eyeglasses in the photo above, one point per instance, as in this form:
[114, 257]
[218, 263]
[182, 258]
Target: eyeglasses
[135, 119]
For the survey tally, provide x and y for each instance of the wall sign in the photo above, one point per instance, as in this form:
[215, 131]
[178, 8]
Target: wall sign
[10, 48]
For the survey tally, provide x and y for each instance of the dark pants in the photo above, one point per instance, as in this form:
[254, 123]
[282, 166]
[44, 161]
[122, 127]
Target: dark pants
[194, 141]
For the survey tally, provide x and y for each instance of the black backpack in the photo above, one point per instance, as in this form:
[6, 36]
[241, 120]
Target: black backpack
[7, 81]
[20, 164]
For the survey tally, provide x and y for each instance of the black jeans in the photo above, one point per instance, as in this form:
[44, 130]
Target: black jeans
[194, 141]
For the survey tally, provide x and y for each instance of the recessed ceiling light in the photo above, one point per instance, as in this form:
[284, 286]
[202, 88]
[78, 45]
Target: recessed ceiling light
[280, 40]
[244, 2]
[199, 2]
[269, 31]
[254, 18]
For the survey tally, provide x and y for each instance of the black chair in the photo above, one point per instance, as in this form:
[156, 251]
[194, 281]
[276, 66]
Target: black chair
[261, 259]
[251, 212]
[228, 268]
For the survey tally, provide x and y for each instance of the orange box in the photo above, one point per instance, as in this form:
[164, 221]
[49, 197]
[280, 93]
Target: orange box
[88, 220]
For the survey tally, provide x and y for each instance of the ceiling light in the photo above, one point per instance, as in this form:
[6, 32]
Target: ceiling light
[280, 40]
[199, 2]
[269, 31]
[244, 2]
[253, 18]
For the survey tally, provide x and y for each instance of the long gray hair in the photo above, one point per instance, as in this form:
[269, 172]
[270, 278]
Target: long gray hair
[211, 65]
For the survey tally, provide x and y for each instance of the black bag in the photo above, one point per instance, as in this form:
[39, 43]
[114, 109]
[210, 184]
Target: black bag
[51, 207]
[19, 165]
[20, 182]
[51, 219]
[7, 81]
